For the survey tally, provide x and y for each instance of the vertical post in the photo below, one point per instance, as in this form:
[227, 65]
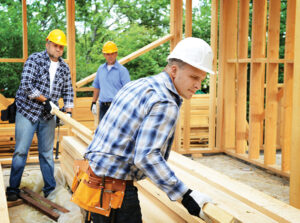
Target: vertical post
[227, 72]
[272, 82]
[176, 31]
[295, 151]
[241, 108]
[213, 78]
[288, 85]
[71, 55]
[25, 34]
[257, 77]
[187, 103]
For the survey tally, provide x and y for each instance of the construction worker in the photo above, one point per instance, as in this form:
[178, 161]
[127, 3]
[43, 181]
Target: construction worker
[45, 78]
[134, 139]
[110, 78]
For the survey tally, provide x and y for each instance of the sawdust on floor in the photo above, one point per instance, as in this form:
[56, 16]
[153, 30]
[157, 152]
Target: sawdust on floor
[258, 178]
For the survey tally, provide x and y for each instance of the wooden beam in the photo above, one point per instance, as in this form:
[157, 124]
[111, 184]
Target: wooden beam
[288, 85]
[257, 77]
[295, 145]
[71, 40]
[12, 60]
[241, 107]
[258, 200]
[45, 210]
[271, 113]
[25, 34]
[213, 78]
[227, 75]
[74, 124]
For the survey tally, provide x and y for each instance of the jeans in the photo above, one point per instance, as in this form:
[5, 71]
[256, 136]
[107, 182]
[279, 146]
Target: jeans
[103, 110]
[24, 132]
[130, 211]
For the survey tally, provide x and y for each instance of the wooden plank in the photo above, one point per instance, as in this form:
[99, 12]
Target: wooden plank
[24, 27]
[71, 55]
[3, 204]
[150, 205]
[188, 18]
[288, 85]
[4, 101]
[275, 209]
[295, 141]
[214, 212]
[271, 113]
[213, 78]
[260, 60]
[45, 200]
[257, 77]
[12, 60]
[241, 141]
[76, 125]
[35, 204]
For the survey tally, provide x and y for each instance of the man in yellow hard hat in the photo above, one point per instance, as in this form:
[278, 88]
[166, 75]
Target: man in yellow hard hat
[45, 78]
[110, 78]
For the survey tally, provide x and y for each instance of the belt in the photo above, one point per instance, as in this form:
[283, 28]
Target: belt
[106, 103]
[127, 182]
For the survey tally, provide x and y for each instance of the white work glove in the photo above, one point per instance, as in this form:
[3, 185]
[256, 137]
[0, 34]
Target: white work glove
[194, 201]
[94, 108]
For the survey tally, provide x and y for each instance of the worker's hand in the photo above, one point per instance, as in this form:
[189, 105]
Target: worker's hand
[94, 108]
[194, 201]
[49, 105]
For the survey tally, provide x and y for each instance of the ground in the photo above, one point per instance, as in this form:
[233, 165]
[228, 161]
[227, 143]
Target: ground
[258, 178]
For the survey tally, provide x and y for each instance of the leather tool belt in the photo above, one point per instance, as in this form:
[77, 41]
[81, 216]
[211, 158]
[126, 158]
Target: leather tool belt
[96, 194]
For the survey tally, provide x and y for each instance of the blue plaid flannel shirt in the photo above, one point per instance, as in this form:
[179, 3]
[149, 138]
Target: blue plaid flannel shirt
[35, 81]
[134, 138]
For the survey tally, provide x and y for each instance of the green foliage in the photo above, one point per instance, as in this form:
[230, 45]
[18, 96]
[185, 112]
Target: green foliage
[132, 24]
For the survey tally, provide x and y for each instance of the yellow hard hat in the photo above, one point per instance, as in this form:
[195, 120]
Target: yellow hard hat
[109, 47]
[57, 36]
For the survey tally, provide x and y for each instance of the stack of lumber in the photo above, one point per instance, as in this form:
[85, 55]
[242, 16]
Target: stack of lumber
[199, 120]
[236, 202]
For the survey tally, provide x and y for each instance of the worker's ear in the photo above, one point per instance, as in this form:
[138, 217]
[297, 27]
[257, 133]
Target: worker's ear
[173, 72]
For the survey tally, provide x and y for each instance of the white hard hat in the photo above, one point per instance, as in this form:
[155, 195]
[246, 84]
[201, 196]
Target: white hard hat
[194, 51]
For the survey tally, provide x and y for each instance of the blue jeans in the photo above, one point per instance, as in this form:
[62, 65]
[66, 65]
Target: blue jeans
[24, 132]
[130, 211]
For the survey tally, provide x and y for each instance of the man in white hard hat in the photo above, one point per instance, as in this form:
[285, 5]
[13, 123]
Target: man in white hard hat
[134, 139]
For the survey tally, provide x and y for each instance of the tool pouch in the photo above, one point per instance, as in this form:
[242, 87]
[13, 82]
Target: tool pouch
[96, 194]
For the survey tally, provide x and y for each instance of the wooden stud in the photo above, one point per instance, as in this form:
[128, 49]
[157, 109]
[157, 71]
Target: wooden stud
[241, 128]
[272, 82]
[213, 78]
[295, 143]
[71, 55]
[257, 77]
[227, 72]
[288, 85]
[25, 35]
